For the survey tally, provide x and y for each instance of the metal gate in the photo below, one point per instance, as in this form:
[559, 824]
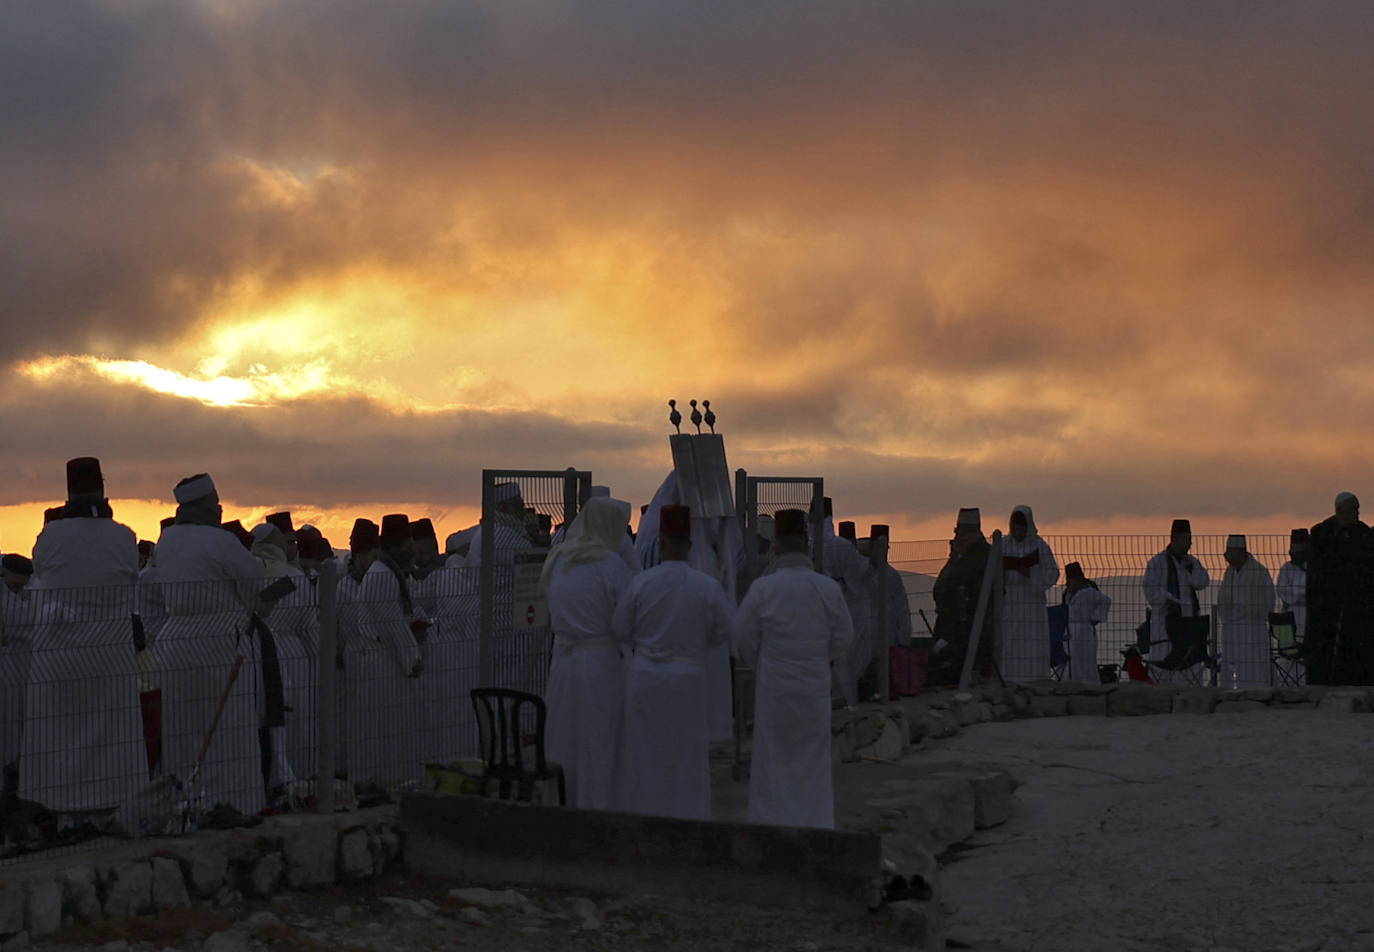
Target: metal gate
[513, 652]
[757, 496]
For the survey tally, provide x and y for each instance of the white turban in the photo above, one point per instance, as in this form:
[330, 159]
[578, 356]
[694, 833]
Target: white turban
[198, 488]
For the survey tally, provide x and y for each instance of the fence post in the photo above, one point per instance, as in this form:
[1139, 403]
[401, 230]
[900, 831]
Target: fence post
[486, 600]
[878, 547]
[326, 588]
[991, 572]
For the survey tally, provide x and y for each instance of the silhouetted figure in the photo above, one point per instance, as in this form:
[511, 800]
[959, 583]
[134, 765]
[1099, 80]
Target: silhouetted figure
[956, 602]
[1340, 598]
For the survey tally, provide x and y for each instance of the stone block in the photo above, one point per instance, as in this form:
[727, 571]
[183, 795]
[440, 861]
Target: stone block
[1048, 705]
[1293, 696]
[1195, 701]
[1095, 704]
[203, 865]
[917, 925]
[43, 912]
[310, 857]
[169, 885]
[80, 899]
[227, 941]
[887, 746]
[1134, 700]
[1263, 695]
[867, 727]
[1229, 705]
[13, 898]
[939, 809]
[1344, 701]
[992, 793]
[355, 858]
[130, 891]
[929, 722]
[265, 874]
[972, 712]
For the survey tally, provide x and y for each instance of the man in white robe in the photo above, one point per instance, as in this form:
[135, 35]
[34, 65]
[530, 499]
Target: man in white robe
[350, 652]
[387, 709]
[1244, 601]
[792, 625]
[210, 585]
[857, 580]
[1088, 608]
[584, 579]
[446, 592]
[18, 625]
[289, 742]
[1171, 583]
[509, 527]
[1292, 592]
[1028, 572]
[669, 619]
[83, 728]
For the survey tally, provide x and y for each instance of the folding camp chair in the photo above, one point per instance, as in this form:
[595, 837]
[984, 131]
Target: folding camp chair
[1059, 640]
[1285, 650]
[502, 740]
[1188, 657]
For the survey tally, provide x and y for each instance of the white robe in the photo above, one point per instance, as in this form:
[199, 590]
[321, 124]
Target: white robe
[448, 597]
[670, 618]
[791, 625]
[386, 710]
[1155, 585]
[209, 588]
[1292, 592]
[1088, 608]
[1244, 601]
[83, 727]
[1025, 633]
[857, 581]
[586, 692]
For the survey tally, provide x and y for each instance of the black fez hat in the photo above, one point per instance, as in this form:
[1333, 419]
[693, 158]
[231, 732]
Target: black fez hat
[423, 529]
[83, 477]
[789, 522]
[145, 547]
[878, 531]
[847, 531]
[242, 534]
[364, 536]
[18, 564]
[167, 521]
[829, 505]
[53, 513]
[1073, 570]
[675, 522]
[1298, 537]
[1181, 525]
[282, 520]
[395, 528]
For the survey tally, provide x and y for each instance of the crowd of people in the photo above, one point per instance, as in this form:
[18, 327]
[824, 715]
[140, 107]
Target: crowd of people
[194, 656]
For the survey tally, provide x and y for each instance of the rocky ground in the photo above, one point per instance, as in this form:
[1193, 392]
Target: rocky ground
[403, 912]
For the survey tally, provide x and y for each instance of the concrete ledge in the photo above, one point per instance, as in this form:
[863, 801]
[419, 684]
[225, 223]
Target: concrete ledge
[484, 840]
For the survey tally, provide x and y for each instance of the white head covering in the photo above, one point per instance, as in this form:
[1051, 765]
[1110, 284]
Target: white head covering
[600, 491]
[593, 536]
[458, 539]
[195, 489]
[1236, 542]
[1031, 533]
[261, 533]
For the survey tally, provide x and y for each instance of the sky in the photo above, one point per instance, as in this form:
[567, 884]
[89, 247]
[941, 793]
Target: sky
[1109, 260]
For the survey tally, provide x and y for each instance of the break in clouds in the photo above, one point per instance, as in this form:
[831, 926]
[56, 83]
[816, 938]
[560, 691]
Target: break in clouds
[1098, 258]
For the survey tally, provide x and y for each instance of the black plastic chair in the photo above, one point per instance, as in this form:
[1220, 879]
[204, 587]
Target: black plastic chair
[502, 741]
[1188, 644]
[1285, 649]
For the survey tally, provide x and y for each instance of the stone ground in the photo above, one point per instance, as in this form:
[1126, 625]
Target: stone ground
[1176, 832]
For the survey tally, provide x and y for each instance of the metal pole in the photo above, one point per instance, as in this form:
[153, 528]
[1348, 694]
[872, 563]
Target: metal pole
[570, 488]
[992, 571]
[326, 588]
[486, 658]
[818, 524]
[878, 546]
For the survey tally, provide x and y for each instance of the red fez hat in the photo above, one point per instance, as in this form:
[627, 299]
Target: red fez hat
[282, 520]
[364, 536]
[308, 545]
[1181, 525]
[168, 521]
[847, 531]
[1298, 537]
[878, 531]
[53, 514]
[83, 476]
[1073, 570]
[423, 530]
[675, 521]
[789, 522]
[145, 547]
[395, 527]
[242, 534]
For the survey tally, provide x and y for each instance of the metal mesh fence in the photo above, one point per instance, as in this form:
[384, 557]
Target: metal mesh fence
[1116, 563]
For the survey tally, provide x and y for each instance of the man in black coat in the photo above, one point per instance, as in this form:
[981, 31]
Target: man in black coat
[956, 602]
[1340, 598]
